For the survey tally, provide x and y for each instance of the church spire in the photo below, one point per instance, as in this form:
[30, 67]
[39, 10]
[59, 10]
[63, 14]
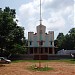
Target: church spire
[40, 14]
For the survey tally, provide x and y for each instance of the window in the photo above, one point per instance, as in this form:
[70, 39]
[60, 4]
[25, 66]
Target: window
[51, 43]
[30, 42]
[41, 43]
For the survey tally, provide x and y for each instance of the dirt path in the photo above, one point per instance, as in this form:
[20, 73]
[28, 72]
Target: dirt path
[60, 68]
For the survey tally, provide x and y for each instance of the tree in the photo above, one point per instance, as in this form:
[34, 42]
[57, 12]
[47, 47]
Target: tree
[59, 40]
[66, 42]
[10, 33]
[69, 42]
[72, 36]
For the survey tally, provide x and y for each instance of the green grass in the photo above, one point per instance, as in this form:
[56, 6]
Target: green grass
[33, 68]
[34, 61]
[72, 61]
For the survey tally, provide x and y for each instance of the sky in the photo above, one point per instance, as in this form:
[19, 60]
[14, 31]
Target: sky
[57, 15]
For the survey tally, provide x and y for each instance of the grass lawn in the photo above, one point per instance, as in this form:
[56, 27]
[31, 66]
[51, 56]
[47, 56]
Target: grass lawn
[34, 61]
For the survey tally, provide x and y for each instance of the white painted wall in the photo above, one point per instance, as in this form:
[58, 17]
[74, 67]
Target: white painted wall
[47, 38]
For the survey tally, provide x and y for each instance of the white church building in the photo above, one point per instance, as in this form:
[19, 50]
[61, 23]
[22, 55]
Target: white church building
[41, 43]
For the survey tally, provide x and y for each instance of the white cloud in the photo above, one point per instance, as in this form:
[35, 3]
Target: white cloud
[18, 22]
[74, 13]
[57, 15]
[56, 22]
[27, 10]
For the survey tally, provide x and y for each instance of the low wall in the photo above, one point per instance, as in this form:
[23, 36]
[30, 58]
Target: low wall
[22, 57]
[49, 57]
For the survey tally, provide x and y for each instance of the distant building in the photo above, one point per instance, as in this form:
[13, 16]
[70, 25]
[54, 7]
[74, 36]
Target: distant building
[65, 52]
[41, 43]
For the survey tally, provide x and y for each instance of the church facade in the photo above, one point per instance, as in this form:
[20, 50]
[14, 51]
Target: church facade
[41, 44]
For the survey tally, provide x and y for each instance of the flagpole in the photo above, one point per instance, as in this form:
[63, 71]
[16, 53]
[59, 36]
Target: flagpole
[40, 14]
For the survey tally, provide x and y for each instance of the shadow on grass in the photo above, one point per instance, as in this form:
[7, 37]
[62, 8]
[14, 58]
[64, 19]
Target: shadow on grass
[73, 60]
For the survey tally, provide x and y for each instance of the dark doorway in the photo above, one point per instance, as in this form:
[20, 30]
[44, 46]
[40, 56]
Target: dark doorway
[50, 50]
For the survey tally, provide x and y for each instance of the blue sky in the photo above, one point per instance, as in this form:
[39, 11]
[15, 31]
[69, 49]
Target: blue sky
[57, 15]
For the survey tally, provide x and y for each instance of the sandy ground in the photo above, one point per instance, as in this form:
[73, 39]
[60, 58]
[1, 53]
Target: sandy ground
[60, 68]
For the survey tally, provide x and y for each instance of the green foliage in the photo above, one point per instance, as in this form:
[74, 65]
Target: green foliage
[18, 49]
[67, 41]
[12, 37]
[59, 40]
[35, 68]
